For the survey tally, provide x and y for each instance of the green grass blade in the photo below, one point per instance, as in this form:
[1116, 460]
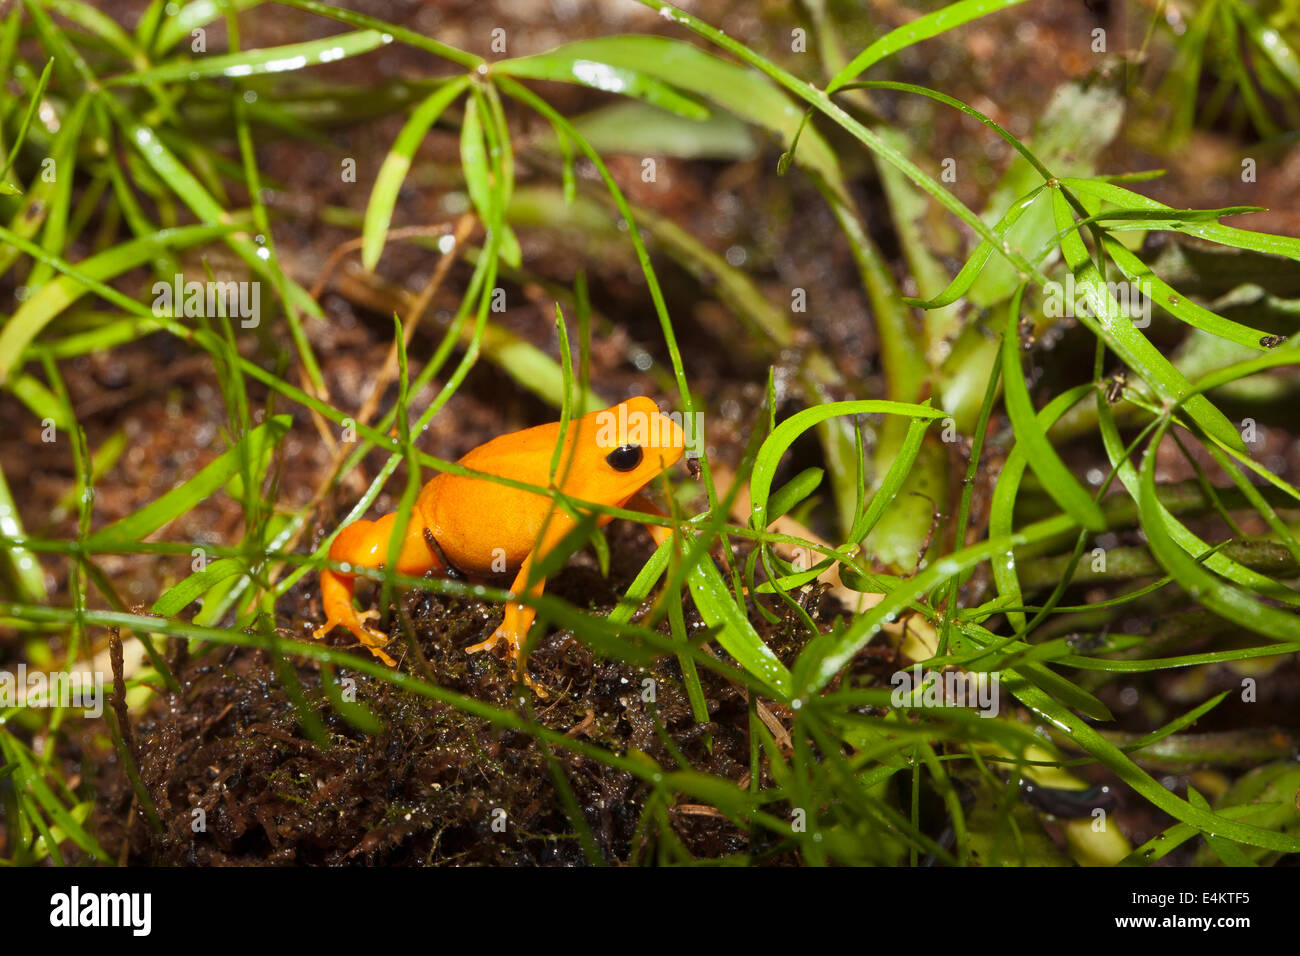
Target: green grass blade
[742, 92]
[1117, 761]
[784, 435]
[1184, 538]
[1221, 598]
[1106, 319]
[28, 576]
[44, 80]
[38, 311]
[256, 446]
[609, 64]
[383, 197]
[735, 633]
[1179, 305]
[192, 16]
[1057, 480]
[1214, 232]
[922, 28]
[278, 59]
[1002, 507]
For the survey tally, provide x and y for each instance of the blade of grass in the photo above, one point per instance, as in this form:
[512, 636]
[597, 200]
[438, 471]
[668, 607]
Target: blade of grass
[1057, 480]
[383, 197]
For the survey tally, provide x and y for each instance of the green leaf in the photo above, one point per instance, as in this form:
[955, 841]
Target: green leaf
[195, 14]
[1077, 123]
[1179, 306]
[1002, 508]
[794, 491]
[1286, 246]
[681, 66]
[893, 481]
[1112, 757]
[487, 199]
[841, 649]
[1218, 562]
[610, 64]
[190, 191]
[28, 576]
[25, 124]
[974, 265]
[189, 589]
[636, 128]
[30, 780]
[1271, 43]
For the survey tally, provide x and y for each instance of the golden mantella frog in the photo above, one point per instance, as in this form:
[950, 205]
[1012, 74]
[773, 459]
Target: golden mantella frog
[475, 528]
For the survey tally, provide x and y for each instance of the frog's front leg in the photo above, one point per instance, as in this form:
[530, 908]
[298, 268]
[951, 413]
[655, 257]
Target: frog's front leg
[514, 628]
[642, 502]
[364, 544]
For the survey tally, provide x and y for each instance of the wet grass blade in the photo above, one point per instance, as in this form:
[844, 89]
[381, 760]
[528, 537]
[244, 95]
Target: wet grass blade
[195, 14]
[1221, 598]
[1286, 246]
[383, 197]
[256, 446]
[682, 66]
[38, 311]
[717, 606]
[280, 59]
[6, 187]
[1106, 319]
[1051, 471]
[608, 64]
[1179, 306]
[28, 576]
[922, 28]
[186, 187]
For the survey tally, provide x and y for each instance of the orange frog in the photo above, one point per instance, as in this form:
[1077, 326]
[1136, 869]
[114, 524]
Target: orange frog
[475, 528]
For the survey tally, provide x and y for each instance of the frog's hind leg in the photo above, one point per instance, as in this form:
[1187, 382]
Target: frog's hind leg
[364, 544]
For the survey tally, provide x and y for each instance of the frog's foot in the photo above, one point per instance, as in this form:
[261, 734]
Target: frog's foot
[513, 641]
[372, 639]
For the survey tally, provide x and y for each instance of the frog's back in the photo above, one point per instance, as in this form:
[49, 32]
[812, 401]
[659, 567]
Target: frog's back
[478, 522]
[522, 455]
[485, 527]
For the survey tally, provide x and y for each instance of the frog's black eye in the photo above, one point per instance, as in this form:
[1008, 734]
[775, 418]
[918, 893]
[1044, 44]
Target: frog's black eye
[625, 457]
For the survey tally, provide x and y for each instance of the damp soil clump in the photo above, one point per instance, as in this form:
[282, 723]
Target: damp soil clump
[237, 778]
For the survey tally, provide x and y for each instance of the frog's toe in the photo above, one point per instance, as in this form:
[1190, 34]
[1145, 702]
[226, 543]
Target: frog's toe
[371, 639]
[513, 642]
[489, 644]
[502, 635]
[374, 641]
